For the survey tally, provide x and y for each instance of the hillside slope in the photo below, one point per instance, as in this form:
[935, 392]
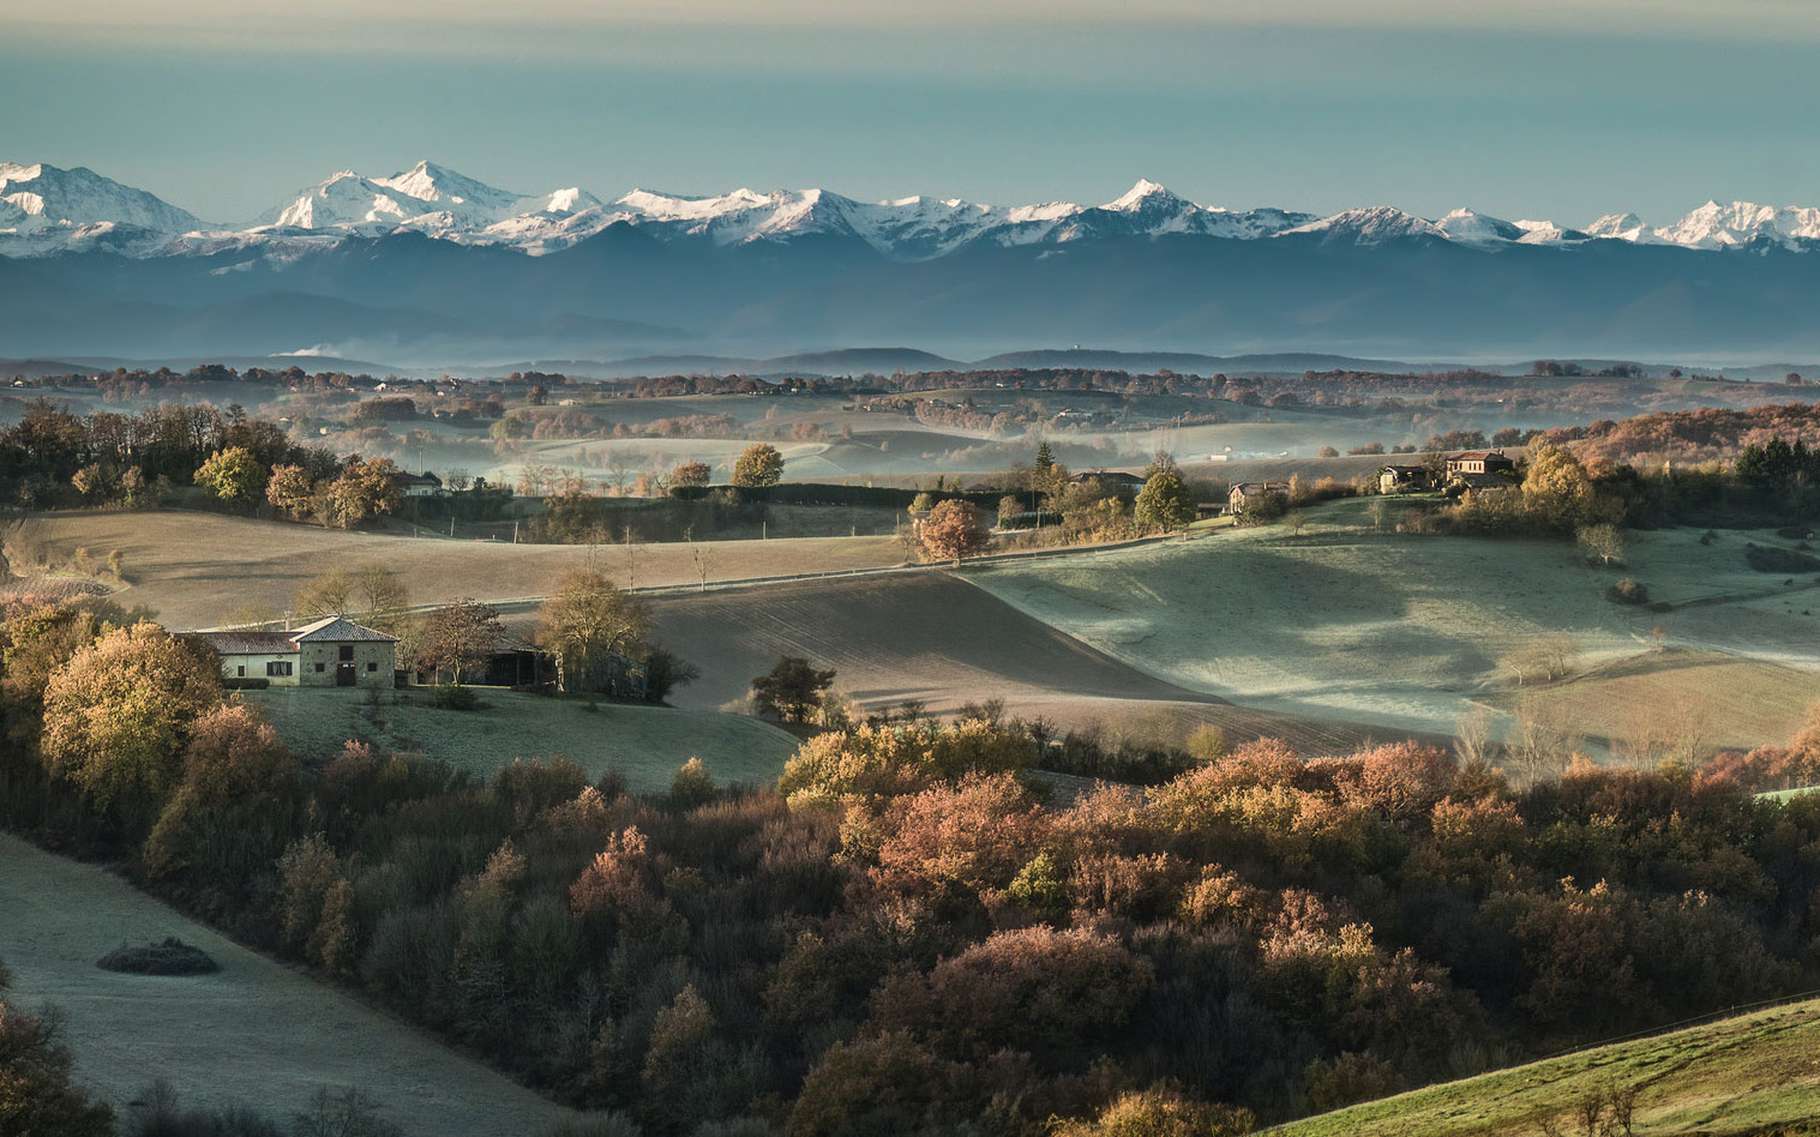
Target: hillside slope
[1757, 1073]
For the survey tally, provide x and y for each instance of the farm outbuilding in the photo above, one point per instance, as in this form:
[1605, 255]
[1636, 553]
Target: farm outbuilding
[1403, 479]
[331, 652]
[1253, 495]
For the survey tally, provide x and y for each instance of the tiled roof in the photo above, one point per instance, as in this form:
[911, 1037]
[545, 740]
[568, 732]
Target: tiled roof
[247, 643]
[340, 629]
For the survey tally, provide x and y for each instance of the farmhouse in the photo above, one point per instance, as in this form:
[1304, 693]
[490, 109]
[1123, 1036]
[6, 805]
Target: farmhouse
[330, 652]
[425, 484]
[1255, 495]
[1480, 462]
[1402, 479]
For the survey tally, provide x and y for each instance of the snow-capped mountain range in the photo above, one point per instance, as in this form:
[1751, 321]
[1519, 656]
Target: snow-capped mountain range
[46, 210]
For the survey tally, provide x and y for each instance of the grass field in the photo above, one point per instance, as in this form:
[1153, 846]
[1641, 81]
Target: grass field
[255, 1032]
[934, 638]
[203, 569]
[1347, 621]
[1754, 1074]
[645, 744]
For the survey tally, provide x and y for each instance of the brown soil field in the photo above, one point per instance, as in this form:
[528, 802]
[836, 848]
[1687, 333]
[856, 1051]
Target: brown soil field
[255, 1032]
[200, 570]
[934, 638]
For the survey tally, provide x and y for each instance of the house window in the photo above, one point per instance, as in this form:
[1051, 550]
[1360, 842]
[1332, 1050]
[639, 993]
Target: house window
[277, 667]
[319, 669]
[372, 666]
[347, 652]
[240, 672]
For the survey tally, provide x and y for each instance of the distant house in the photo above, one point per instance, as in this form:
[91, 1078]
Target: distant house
[1403, 479]
[1480, 462]
[425, 484]
[1108, 479]
[331, 652]
[1254, 495]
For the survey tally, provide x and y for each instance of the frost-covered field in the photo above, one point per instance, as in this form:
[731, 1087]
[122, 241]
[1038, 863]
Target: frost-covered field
[255, 1032]
[645, 744]
[1406, 631]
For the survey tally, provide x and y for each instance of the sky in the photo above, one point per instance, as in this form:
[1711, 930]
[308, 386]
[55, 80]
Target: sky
[1541, 109]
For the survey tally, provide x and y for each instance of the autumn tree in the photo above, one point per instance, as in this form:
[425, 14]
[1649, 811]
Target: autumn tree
[116, 716]
[759, 464]
[1556, 488]
[366, 488]
[1164, 502]
[791, 690]
[952, 530]
[459, 638]
[37, 1096]
[290, 488]
[234, 474]
[691, 474]
[585, 623]
[236, 801]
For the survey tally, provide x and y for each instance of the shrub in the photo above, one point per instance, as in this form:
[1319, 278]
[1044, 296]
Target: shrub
[171, 957]
[1628, 591]
[454, 697]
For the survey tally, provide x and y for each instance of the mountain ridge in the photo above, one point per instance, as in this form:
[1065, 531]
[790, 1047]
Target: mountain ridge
[46, 210]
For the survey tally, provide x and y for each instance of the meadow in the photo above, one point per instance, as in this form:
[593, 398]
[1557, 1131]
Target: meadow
[197, 570]
[255, 1033]
[643, 744]
[1347, 618]
[933, 639]
[1756, 1073]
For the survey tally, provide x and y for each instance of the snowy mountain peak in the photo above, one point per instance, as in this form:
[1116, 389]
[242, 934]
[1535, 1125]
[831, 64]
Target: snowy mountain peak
[1371, 226]
[1715, 226]
[1142, 193]
[79, 196]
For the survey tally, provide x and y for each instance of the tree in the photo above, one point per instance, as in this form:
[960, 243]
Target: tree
[585, 623]
[326, 594]
[951, 531]
[1556, 487]
[234, 474]
[691, 474]
[1601, 543]
[382, 597]
[1009, 506]
[1164, 503]
[289, 488]
[36, 1095]
[228, 820]
[459, 638]
[759, 465]
[116, 716]
[791, 690]
[1045, 457]
[366, 488]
